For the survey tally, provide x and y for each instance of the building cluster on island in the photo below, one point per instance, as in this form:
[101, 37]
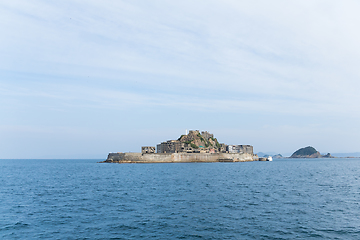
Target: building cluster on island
[194, 146]
[197, 146]
[196, 142]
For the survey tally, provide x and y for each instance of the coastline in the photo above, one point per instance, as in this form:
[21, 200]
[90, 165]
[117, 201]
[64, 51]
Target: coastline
[178, 157]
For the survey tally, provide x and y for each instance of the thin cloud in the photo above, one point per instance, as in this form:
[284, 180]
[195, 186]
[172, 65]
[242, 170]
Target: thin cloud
[294, 59]
[74, 96]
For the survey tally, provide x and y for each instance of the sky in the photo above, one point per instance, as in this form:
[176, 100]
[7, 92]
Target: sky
[80, 79]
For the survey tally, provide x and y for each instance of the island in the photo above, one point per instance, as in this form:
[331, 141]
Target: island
[190, 147]
[309, 152]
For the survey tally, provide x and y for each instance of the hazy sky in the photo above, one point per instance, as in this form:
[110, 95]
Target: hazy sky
[79, 79]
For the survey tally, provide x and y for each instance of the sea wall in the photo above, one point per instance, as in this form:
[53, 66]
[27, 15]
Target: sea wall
[178, 157]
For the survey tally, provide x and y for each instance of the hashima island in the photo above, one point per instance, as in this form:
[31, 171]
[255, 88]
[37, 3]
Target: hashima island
[191, 147]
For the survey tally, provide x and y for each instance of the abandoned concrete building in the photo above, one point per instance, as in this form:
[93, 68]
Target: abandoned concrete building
[239, 149]
[206, 143]
[175, 146]
[171, 146]
[147, 149]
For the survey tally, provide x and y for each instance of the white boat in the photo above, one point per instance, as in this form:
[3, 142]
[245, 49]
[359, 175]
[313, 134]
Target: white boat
[269, 158]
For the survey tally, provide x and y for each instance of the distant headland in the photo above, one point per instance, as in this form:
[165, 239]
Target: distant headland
[309, 152]
[194, 146]
[306, 152]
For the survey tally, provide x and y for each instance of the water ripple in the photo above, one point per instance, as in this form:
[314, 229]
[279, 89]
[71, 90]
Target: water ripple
[80, 199]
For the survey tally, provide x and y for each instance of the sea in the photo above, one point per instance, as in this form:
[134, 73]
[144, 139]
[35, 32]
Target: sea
[84, 199]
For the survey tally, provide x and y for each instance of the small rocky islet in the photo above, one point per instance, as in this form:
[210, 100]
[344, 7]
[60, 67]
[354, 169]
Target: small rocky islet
[309, 152]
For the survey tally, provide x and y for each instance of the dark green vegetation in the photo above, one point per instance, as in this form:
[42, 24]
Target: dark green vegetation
[309, 152]
[180, 137]
[195, 139]
[305, 151]
[217, 143]
[193, 145]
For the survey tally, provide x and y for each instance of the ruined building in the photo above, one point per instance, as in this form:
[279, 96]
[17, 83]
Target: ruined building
[239, 149]
[196, 142]
[147, 149]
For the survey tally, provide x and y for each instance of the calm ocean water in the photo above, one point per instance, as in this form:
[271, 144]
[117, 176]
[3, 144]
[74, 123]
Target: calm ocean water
[82, 199]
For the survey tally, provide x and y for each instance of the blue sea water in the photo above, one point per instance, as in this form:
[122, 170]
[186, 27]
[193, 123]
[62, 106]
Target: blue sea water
[83, 199]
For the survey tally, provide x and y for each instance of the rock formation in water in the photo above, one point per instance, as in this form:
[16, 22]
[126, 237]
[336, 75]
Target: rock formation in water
[309, 152]
[196, 139]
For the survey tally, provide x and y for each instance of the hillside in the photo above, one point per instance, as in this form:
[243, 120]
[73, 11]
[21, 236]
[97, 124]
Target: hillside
[309, 152]
[197, 140]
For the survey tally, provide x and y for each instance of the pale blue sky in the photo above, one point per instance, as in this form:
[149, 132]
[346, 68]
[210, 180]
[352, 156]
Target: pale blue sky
[79, 79]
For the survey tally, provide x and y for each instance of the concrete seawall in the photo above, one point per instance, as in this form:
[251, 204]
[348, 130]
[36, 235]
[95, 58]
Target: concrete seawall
[178, 157]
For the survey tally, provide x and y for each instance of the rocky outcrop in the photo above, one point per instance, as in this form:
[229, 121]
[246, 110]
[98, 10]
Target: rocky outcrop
[327, 156]
[195, 139]
[309, 152]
